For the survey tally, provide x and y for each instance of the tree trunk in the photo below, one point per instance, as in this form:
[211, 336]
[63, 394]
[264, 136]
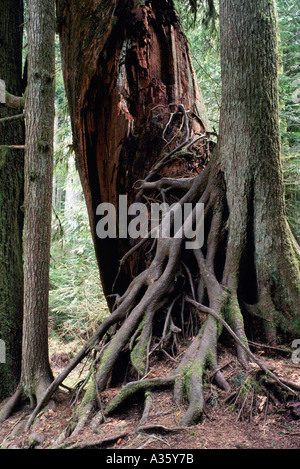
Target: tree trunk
[11, 199]
[262, 260]
[134, 63]
[39, 106]
[36, 374]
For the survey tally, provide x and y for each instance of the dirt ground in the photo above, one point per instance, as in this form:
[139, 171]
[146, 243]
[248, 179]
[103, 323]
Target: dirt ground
[233, 420]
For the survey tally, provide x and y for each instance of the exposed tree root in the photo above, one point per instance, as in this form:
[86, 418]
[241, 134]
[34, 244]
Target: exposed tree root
[10, 406]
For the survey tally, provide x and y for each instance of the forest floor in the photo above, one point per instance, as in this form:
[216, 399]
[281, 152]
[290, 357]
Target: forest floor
[233, 420]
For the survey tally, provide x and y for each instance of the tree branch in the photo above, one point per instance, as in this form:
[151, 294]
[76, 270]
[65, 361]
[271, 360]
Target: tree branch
[14, 102]
[13, 147]
[3, 120]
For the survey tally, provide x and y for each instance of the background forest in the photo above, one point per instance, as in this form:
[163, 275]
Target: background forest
[75, 292]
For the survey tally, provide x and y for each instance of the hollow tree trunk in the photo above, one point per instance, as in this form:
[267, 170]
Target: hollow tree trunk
[11, 199]
[133, 62]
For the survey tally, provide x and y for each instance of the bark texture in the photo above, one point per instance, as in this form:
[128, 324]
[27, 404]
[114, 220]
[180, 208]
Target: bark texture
[11, 198]
[262, 260]
[39, 107]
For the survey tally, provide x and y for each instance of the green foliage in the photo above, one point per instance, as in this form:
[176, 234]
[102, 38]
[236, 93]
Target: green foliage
[201, 25]
[289, 79]
[76, 300]
[206, 59]
[194, 11]
[289, 89]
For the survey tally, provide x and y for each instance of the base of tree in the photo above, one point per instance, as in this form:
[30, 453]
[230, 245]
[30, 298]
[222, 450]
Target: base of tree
[25, 397]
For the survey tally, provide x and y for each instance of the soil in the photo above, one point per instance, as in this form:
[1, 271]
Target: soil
[233, 420]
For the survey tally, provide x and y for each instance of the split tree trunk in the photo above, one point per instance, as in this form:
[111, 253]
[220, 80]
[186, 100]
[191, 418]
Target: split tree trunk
[11, 199]
[133, 63]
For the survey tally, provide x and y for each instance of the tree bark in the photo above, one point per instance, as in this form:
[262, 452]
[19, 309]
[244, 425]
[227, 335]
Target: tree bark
[11, 198]
[262, 260]
[39, 107]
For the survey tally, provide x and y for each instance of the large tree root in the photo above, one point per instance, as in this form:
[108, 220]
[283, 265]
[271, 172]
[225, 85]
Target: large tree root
[183, 293]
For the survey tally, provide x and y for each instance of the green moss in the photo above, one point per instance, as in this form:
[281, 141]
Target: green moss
[139, 352]
[138, 357]
[196, 370]
[89, 395]
[122, 395]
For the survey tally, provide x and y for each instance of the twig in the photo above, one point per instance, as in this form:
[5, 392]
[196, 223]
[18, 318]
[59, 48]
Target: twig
[99, 397]
[3, 120]
[23, 416]
[242, 406]
[13, 147]
[195, 141]
[271, 347]
[166, 158]
[266, 407]
[221, 367]
[190, 279]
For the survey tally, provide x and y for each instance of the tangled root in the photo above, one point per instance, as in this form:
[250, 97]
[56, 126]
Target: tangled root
[192, 294]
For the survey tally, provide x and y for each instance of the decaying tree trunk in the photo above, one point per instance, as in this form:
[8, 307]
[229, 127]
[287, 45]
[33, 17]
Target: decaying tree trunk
[133, 88]
[133, 63]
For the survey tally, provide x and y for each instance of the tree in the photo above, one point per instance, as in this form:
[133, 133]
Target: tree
[36, 374]
[288, 19]
[133, 88]
[143, 81]
[11, 197]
